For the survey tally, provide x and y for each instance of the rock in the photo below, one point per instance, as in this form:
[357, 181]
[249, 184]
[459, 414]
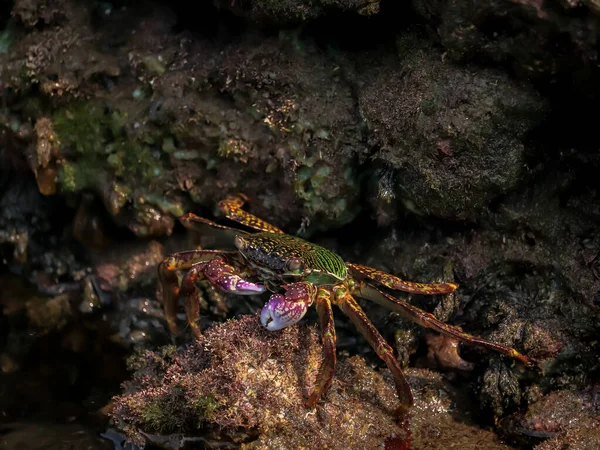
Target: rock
[563, 419]
[450, 137]
[244, 384]
[539, 40]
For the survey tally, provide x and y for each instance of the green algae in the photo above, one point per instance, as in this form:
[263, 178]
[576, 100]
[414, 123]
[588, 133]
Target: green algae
[101, 150]
[204, 408]
[235, 149]
[80, 127]
[283, 11]
[155, 416]
[94, 139]
[167, 205]
[318, 185]
[155, 64]
[77, 176]
[142, 359]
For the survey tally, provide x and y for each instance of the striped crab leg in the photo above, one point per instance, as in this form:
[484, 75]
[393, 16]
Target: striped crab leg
[398, 284]
[428, 320]
[351, 308]
[232, 208]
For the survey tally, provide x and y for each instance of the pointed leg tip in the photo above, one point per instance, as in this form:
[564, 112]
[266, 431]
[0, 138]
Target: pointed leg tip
[197, 333]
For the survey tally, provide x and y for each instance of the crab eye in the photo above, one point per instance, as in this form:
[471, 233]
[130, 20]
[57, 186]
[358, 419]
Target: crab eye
[294, 264]
[239, 242]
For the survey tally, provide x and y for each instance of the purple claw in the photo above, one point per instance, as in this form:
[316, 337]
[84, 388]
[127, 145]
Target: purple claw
[239, 286]
[279, 313]
[282, 311]
[223, 276]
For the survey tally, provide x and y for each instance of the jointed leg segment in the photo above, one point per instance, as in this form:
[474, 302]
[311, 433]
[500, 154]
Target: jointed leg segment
[327, 369]
[398, 284]
[428, 320]
[191, 294]
[232, 208]
[352, 309]
[167, 275]
[193, 222]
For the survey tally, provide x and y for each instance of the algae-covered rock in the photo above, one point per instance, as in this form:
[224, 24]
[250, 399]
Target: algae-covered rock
[273, 116]
[244, 384]
[528, 279]
[242, 379]
[451, 136]
[41, 12]
[162, 120]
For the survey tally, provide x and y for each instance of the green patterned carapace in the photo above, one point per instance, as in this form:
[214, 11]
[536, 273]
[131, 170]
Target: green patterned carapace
[289, 256]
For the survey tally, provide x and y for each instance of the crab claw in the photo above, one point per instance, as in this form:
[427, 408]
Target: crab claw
[222, 275]
[284, 310]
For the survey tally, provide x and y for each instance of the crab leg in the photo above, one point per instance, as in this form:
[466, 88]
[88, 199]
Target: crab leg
[428, 320]
[219, 274]
[232, 208]
[398, 284]
[191, 221]
[203, 264]
[327, 369]
[350, 307]
[191, 300]
[167, 276]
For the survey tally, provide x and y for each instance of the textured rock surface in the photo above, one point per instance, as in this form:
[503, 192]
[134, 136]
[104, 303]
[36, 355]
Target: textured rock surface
[450, 136]
[245, 384]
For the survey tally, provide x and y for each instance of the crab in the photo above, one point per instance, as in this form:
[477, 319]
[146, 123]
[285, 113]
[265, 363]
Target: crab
[299, 274]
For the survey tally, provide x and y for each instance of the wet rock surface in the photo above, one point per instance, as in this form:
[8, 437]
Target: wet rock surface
[451, 138]
[241, 378]
[245, 386]
[37, 436]
[443, 141]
